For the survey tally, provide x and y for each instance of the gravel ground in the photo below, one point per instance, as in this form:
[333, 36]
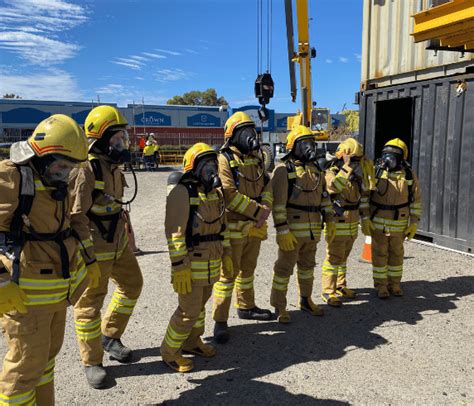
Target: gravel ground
[412, 350]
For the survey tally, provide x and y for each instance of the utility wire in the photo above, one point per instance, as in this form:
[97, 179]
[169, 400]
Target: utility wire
[261, 35]
[258, 37]
[271, 34]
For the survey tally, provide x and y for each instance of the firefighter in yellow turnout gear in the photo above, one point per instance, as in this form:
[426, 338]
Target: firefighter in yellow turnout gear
[41, 269]
[195, 227]
[248, 195]
[299, 188]
[349, 180]
[396, 211]
[97, 217]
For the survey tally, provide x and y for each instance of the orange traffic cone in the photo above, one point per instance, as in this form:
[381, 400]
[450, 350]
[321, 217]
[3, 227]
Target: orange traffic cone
[366, 255]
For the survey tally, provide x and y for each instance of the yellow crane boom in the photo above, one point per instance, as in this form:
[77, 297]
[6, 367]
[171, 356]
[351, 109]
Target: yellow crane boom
[316, 119]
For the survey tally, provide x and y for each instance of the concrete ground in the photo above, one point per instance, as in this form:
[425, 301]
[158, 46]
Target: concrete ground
[412, 350]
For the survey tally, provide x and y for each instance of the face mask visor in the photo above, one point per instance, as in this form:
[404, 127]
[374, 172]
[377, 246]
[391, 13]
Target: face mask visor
[246, 139]
[305, 150]
[58, 171]
[207, 173]
[120, 141]
[119, 144]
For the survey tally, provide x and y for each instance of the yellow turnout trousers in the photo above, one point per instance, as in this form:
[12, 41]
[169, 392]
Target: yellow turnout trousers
[304, 257]
[387, 257]
[335, 265]
[187, 323]
[245, 252]
[126, 275]
[33, 340]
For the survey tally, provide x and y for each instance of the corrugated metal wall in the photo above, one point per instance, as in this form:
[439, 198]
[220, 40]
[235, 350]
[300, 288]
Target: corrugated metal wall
[443, 153]
[389, 54]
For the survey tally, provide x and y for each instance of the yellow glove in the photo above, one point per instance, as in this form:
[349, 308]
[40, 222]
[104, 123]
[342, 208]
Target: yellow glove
[228, 266]
[12, 298]
[260, 233]
[367, 226]
[287, 241]
[93, 271]
[330, 231]
[410, 231]
[182, 281]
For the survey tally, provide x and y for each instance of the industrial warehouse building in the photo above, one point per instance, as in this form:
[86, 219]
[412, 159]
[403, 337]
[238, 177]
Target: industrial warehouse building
[425, 97]
[172, 125]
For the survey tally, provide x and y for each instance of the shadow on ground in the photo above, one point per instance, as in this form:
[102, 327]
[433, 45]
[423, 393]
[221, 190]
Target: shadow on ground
[260, 349]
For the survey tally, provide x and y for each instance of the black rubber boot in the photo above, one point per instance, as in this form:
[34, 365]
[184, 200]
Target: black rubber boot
[221, 332]
[116, 349]
[96, 376]
[255, 314]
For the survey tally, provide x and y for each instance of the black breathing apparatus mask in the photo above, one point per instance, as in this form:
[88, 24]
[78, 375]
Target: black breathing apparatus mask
[54, 171]
[305, 150]
[207, 173]
[118, 146]
[114, 145]
[391, 159]
[246, 139]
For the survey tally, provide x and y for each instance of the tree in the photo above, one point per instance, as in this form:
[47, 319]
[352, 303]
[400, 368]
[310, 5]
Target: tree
[11, 96]
[352, 120]
[198, 98]
[347, 129]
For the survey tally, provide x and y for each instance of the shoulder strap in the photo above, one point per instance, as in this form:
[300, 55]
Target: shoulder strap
[291, 169]
[25, 199]
[234, 167]
[99, 177]
[193, 207]
[409, 178]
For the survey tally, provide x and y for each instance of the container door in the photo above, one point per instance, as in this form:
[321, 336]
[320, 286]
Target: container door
[394, 119]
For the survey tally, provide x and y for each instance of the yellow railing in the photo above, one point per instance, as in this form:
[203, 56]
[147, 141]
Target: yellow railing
[451, 23]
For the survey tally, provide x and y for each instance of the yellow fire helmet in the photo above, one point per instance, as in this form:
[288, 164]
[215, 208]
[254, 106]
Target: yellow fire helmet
[398, 143]
[58, 135]
[102, 118]
[350, 147]
[297, 133]
[196, 151]
[236, 120]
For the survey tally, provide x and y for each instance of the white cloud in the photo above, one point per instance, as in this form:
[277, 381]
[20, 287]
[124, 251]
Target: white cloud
[171, 75]
[139, 78]
[328, 60]
[44, 15]
[191, 51]
[30, 28]
[54, 84]
[358, 57]
[37, 49]
[343, 59]
[153, 55]
[129, 63]
[123, 95]
[137, 62]
[164, 51]
[112, 88]
[139, 58]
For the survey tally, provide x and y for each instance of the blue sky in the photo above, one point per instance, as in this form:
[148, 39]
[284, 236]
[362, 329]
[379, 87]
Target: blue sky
[123, 50]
